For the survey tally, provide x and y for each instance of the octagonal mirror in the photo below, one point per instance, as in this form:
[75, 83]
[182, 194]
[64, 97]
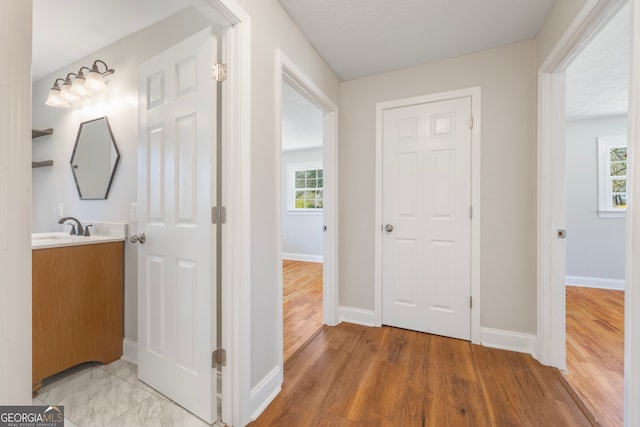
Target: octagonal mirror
[95, 159]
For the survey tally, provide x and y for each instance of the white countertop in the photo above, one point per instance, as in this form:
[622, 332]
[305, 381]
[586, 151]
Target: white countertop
[61, 239]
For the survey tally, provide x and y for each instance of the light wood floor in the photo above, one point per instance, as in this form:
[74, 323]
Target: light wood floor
[351, 375]
[595, 351]
[302, 289]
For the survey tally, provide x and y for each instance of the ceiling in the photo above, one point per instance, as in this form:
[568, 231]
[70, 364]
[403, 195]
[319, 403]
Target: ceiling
[362, 37]
[598, 79]
[357, 38]
[301, 121]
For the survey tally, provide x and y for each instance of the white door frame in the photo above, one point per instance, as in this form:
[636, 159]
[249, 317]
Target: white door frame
[289, 72]
[475, 94]
[551, 169]
[551, 217]
[236, 197]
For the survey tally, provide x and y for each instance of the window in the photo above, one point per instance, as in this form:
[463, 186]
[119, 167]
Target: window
[612, 176]
[306, 187]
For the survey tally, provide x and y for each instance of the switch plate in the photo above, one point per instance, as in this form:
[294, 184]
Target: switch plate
[134, 212]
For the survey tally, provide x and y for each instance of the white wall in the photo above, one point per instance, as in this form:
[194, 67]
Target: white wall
[15, 216]
[302, 231]
[55, 184]
[271, 28]
[507, 76]
[595, 246]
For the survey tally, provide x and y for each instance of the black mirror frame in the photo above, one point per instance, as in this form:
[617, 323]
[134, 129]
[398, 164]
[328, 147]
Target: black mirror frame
[115, 166]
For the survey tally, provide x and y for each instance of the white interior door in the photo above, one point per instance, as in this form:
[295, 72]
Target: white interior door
[426, 244]
[176, 189]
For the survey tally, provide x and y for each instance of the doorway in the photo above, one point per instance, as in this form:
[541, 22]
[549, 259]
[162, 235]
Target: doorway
[302, 218]
[596, 176]
[551, 197]
[301, 88]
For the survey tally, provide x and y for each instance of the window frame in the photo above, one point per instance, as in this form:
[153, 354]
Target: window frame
[292, 168]
[605, 195]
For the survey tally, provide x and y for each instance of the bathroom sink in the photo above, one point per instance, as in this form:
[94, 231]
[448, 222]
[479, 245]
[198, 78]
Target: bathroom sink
[56, 239]
[50, 236]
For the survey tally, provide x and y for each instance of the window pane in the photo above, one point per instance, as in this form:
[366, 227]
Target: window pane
[312, 183]
[300, 183]
[619, 200]
[310, 195]
[319, 173]
[619, 186]
[618, 168]
[618, 154]
[319, 204]
[299, 174]
[320, 183]
[311, 174]
[299, 204]
[310, 204]
[320, 194]
[299, 195]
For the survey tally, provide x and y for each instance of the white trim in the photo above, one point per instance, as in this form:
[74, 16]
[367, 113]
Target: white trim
[509, 340]
[236, 196]
[632, 291]
[130, 351]
[550, 189]
[357, 316]
[595, 282]
[265, 391]
[15, 196]
[476, 180]
[302, 257]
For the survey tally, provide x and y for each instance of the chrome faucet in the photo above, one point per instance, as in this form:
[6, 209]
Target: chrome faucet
[79, 231]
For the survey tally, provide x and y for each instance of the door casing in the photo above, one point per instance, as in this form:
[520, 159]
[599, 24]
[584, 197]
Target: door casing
[475, 94]
[288, 71]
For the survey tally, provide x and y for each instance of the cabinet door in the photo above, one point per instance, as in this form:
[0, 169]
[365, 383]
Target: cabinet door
[77, 306]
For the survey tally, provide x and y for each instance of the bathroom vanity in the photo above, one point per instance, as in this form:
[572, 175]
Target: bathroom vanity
[78, 307]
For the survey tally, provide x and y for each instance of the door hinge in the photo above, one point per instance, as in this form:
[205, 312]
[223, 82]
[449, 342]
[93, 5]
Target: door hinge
[218, 215]
[218, 358]
[470, 302]
[471, 122]
[219, 72]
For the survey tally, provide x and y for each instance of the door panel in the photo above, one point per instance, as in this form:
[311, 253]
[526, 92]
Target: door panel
[427, 199]
[176, 189]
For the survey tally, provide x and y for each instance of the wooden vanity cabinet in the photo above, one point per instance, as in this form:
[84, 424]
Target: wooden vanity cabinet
[78, 306]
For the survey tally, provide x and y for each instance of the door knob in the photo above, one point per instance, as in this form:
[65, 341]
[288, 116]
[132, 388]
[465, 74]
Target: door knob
[388, 228]
[140, 237]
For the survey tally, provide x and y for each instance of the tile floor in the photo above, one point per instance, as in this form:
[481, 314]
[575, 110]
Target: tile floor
[97, 395]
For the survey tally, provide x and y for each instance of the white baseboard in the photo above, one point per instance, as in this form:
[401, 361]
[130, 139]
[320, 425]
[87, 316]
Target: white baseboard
[130, 351]
[265, 391]
[509, 340]
[595, 282]
[302, 257]
[357, 316]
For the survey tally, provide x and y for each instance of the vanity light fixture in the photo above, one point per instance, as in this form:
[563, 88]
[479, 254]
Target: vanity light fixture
[80, 86]
[95, 78]
[54, 99]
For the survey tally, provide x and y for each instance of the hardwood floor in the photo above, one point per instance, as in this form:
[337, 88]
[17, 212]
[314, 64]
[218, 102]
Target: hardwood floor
[595, 351]
[351, 375]
[302, 289]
